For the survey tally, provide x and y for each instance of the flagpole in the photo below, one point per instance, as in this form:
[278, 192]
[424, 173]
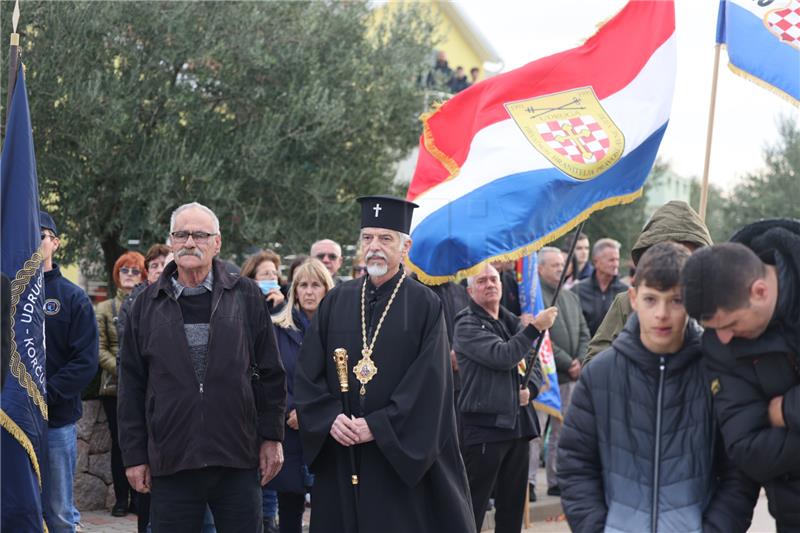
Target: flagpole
[709, 135]
[535, 351]
[13, 60]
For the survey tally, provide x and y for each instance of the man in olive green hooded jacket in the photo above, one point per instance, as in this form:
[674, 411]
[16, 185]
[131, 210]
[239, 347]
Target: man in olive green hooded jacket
[674, 221]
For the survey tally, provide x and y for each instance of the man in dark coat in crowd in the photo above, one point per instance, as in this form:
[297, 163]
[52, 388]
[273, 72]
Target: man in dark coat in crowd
[402, 434]
[202, 389]
[497, 415]
[746, 294]
[598, 290]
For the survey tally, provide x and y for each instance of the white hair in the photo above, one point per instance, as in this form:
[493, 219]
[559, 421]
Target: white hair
[547, 250]
[604, 244]
[193, 205]
[326, 241]
[471, 279]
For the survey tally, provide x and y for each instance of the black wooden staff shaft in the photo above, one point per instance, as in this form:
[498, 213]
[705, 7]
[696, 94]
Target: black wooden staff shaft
[538, 345]
[340, 358]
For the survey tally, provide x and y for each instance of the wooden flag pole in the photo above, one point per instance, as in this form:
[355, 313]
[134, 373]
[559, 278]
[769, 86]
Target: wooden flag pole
[709, 135]
[13, 60]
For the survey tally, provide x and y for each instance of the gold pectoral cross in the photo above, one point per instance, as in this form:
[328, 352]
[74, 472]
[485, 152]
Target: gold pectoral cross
[365, 370]
[575, 137]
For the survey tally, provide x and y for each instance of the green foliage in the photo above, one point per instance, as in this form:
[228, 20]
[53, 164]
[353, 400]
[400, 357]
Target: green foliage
[716, 221]
[277, 115]
[774, 191]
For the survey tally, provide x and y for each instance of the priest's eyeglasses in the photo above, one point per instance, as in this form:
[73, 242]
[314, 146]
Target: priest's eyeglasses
[199, 237]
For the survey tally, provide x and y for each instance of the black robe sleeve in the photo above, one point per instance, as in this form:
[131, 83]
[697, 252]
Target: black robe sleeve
[421, 404]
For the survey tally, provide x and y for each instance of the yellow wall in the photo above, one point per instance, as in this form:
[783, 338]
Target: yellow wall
[450, 39]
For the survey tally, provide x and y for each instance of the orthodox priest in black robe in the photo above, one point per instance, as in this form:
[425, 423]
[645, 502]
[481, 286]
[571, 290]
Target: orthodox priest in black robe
[402, 431]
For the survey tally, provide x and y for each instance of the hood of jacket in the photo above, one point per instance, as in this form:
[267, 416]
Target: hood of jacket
[673, 221]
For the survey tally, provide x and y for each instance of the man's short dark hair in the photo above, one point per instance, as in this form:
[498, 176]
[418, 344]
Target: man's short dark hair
[660, 266]
[719, 277]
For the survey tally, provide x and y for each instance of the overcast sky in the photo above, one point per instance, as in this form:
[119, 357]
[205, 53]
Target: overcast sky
[746, 114]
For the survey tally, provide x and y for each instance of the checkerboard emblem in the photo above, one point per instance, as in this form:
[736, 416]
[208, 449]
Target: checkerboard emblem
[784, 23]
[572, 130]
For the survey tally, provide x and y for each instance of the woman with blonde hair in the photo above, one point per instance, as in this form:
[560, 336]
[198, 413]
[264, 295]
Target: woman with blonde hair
[310, 283]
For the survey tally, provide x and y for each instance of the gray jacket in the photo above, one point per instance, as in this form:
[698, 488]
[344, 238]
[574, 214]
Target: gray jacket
[569, 334]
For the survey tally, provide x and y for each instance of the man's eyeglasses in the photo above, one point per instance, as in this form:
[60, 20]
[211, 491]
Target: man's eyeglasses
[46, 235]
[332, 257]
[130, 271]
[200, 237]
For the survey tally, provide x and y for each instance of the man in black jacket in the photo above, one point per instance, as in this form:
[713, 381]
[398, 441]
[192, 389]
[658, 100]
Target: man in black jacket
[498, 420]
[202, 389]
[745, 293]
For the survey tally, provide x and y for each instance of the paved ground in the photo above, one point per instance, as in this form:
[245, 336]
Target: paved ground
[545, 516]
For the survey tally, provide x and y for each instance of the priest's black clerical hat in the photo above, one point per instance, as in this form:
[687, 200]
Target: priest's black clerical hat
[386, 212]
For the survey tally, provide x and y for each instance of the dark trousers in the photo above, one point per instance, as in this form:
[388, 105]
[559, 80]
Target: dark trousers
[291, 506]
[142, 512]
[501, 467]
[122, 489]
[179, 501]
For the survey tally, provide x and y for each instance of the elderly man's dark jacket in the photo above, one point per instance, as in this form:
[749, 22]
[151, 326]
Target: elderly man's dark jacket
[594, 302]
[488, 352]
[746, 374]
[167, 419]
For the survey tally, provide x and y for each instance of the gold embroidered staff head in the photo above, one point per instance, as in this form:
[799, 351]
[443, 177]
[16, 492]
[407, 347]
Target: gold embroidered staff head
[340, 358]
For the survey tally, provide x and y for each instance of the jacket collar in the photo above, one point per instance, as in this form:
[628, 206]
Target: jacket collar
[54, 273]
[630, 346]
[505, 316]
[221, 278]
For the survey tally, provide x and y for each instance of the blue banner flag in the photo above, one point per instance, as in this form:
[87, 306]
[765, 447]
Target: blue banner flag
[23, 413]
[530, 299]
[763, 43]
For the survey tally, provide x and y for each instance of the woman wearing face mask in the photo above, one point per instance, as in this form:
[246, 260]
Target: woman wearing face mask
[128, 272]
[265, 267]
[311, 283]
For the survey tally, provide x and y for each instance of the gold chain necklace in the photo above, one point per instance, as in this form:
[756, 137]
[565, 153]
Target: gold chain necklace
[365, 369]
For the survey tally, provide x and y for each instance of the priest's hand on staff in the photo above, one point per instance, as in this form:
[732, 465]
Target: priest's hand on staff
[544, 320]
[350, 431]
[364, 433]
[270, 460]
[344, 430]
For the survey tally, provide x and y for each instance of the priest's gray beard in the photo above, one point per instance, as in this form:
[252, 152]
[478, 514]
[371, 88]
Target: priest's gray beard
[377, 271]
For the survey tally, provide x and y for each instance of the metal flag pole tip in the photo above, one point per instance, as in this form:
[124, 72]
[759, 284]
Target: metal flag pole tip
[15, 17]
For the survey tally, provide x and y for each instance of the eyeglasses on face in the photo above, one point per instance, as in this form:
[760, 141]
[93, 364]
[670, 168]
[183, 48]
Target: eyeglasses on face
[331, 256]
[130, 271]
[199, 237]
[360, 269]
[46, 235]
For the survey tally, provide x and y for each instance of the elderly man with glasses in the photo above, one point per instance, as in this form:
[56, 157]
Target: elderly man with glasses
[72, 358]
[330, 253]
[202, 389]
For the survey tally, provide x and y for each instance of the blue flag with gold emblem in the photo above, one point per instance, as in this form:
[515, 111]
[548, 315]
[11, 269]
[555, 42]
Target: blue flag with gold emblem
[763, 43]
[23, 412]
[530, 298]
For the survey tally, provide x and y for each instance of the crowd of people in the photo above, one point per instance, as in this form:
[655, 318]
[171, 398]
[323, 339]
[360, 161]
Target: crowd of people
[228, 409]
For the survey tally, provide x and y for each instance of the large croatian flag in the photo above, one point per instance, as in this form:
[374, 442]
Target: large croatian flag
[763, 42]
[518, 160]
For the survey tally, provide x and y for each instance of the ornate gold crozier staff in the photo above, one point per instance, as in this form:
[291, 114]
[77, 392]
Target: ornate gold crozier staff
[340, 358]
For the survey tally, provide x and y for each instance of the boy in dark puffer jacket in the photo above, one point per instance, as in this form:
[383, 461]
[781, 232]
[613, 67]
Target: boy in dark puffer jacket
[640, 450]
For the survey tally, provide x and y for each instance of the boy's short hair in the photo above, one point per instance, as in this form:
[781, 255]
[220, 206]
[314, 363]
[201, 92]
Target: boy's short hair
[719, 277]
[660, 266]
